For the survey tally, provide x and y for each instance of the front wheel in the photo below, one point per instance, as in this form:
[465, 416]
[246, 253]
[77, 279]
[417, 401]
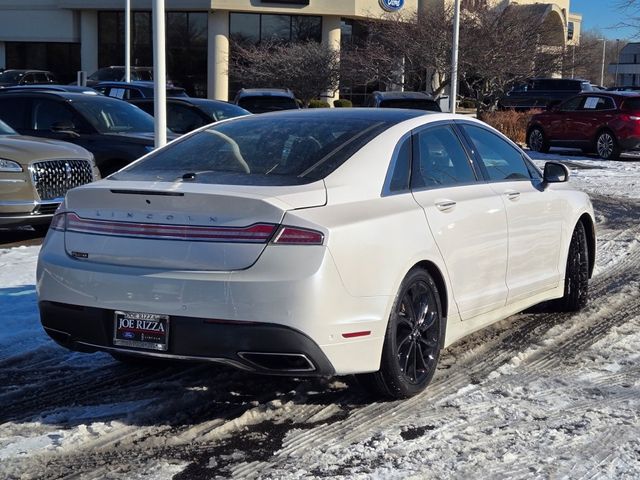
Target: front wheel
[607, 146]
[576, 282]
[412, 342]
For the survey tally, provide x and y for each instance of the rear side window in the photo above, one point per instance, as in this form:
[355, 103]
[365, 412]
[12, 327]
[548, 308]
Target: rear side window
[598, 103]
[440, 159]
[501, 160]
[572, 104]
[632, 104]
[15, 112]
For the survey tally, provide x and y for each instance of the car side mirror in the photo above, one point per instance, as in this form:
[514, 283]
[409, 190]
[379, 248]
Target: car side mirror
[555, 173]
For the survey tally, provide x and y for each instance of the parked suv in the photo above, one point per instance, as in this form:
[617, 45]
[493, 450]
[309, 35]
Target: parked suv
[138, 89]
[117, 74]
[35, 174]
[187, 113]
[543, 92]
[412, 100]
[262, 100]
[605, 122]
[26, 77]
[114, 131]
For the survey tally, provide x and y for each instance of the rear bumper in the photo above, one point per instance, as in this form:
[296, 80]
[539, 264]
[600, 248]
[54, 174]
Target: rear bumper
[292, 301]
[258, 347]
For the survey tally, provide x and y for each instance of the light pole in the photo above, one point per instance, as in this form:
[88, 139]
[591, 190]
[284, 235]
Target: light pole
[127, 41]
[615, 82]
[159, 75]
[604, 50]
[454, 58]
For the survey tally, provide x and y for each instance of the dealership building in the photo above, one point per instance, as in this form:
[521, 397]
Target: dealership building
[65, 36]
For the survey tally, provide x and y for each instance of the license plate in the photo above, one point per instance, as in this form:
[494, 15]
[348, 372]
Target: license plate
[141, 330]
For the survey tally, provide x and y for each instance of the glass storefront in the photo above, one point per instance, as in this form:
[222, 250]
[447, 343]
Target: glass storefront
[63, 59]
[186, 45]
[258, 27]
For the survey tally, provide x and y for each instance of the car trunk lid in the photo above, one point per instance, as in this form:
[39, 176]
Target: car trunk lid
[177, 225]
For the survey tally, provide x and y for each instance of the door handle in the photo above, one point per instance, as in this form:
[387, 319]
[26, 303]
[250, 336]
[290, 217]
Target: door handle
[445, 205]
[512, 195]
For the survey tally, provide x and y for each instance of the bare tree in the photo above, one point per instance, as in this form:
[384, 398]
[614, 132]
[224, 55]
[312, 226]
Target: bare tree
[585, 60]
[402, 50]
[499, 48]
[308, 69]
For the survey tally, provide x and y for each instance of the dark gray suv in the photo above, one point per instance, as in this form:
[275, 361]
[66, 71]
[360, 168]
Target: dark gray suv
[543, 93]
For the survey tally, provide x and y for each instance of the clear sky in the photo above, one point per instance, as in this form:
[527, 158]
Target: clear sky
[604, 15]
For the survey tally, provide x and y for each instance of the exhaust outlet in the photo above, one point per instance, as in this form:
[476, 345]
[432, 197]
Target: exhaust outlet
[278, 362]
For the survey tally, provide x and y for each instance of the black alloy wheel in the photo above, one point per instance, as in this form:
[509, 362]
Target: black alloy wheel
[413, 339]
[537, 140]
[607, 146]
[576, 283]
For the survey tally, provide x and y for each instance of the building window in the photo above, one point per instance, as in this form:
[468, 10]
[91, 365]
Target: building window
[186, 45]
[256, 27]
[570, 30]
[63, 59]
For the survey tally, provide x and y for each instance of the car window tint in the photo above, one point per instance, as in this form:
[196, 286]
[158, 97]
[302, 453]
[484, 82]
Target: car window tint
[28, 79]
[440, 159]
[41, 78]
[256, 150]
[402, 169]
[182, 119]
[14, 111]
[598, 103]
[572, 104]
[501, 160]
[47, 112]
[133, 93]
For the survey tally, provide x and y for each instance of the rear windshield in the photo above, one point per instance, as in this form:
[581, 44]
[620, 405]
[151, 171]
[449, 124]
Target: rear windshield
[11, 76]
[260, 150]
[107, 75]
[416, 104]
[267, 104]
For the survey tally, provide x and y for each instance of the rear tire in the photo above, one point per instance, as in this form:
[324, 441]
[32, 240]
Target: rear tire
[576, 283]
[412, 342]
[537, 140]
[607, 146]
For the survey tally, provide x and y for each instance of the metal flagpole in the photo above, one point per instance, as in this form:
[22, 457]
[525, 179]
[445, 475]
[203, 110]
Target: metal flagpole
[454, 58]
[127, 41]
[159, 74]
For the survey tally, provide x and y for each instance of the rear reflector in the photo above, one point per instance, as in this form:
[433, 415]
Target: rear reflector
[298, 236]
[257, 233]
[356, 334]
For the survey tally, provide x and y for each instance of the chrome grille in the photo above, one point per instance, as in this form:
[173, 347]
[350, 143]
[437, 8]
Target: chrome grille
[53, 178]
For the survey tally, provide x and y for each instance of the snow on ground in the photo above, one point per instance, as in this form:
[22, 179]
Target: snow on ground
[539, 395]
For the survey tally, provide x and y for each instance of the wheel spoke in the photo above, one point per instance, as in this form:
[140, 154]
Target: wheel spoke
[415, 362]
[401, 344]
[422, 359]
[406, 360]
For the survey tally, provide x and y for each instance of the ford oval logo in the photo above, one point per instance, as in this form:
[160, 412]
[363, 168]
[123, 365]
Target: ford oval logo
[128, 335]
[392, 5]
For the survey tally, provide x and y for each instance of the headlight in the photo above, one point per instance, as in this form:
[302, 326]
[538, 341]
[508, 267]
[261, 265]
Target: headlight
[9, 166]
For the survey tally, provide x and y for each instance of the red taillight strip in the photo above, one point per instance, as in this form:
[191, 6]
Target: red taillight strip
[257, 233]
[356, 334]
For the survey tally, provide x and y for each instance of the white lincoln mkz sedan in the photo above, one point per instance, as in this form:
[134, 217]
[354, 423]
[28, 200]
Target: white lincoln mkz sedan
[335, 242]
